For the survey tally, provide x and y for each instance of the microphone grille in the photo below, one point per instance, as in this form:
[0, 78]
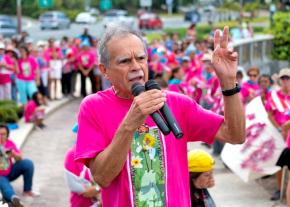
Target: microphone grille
[152, 84]
[137, 88]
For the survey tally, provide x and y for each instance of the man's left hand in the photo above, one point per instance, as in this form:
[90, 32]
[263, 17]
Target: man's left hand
[224, 59]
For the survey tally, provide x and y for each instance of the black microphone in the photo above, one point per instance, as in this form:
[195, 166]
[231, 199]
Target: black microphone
[138, 88]
[166, 112]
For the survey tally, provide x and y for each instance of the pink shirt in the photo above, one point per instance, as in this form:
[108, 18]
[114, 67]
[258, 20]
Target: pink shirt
[76, 168]
[49, 51]
[4, 73]
[86, 58]
[27, 69]
[29, 110]
[249, 88]
[283, 114]
[9, 145]
[99, 118]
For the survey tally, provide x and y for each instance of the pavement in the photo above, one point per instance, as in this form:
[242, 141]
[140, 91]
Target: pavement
[20, 135]
[46, 148]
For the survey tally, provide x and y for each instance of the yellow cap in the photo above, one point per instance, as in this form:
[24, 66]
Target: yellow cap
[199, 161]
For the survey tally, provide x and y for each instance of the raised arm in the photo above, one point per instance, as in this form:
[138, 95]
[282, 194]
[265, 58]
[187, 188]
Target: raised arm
[225, 62]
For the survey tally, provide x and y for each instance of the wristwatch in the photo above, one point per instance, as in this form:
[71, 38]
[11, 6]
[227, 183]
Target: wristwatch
[232, 91]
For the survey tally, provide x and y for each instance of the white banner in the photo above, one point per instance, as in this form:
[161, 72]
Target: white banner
[258, 155]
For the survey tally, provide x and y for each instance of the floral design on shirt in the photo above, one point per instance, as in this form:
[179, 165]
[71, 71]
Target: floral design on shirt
[147, 168]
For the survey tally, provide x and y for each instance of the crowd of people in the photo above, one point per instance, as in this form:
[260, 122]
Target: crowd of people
[32, 73]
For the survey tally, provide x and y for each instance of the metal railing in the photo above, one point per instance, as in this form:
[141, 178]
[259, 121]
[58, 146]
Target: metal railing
[256, 52]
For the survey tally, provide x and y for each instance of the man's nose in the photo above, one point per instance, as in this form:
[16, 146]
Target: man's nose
[135, 65]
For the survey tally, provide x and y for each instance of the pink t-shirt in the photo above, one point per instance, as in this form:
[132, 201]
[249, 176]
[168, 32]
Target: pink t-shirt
[27, 69]
[86, 58]
[9, 145]
[77, 168]
[4, 73]
[29, 110]
[249, 88]
[99, 118]
[281, 110]
[49, 51]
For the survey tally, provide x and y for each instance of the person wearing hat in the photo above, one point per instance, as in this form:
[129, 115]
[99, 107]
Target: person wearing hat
[278, 108]
[250, 89]
[86, 63]
[6, 69]
[200, 166]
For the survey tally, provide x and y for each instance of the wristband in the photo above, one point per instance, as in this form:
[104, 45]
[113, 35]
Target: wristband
[232, 91]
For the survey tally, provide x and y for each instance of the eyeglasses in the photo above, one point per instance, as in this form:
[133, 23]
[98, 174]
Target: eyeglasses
[252, 75]
[285, 78]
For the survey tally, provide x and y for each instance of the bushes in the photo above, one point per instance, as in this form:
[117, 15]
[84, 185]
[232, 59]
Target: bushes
[9, 112]
[281, 31]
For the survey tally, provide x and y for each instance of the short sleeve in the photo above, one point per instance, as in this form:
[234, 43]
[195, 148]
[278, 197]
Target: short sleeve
[12, 146]
[201, 125]
[90, 138]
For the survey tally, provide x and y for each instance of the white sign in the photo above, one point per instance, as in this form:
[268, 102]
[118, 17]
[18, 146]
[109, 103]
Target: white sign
[145, 3]
[258, 155]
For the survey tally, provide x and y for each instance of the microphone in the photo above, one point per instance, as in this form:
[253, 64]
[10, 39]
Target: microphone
[138, 88]
[166, 112]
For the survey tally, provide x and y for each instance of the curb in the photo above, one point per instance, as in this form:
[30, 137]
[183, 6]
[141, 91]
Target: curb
[20, 135]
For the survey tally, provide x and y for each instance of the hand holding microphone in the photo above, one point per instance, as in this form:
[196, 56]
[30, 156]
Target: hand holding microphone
[166, 123]
[137, 89]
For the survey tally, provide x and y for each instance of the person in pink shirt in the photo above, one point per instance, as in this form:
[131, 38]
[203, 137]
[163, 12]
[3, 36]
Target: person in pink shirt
[86, 62]
[84, 192]
[250, 89]
[28, 75]
[265, 82]
[133, 162]
[13, 166]
[53, 58]
[278, 108]
[6, 69]
[34, 111]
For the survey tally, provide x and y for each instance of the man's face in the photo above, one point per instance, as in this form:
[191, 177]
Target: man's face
[3, 135]
[127, 64]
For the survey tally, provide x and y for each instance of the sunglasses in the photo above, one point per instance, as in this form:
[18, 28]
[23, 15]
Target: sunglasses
[252, 75]
[285, 78]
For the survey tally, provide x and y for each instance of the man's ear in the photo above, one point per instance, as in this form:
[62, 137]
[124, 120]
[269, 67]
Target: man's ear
[103, 70]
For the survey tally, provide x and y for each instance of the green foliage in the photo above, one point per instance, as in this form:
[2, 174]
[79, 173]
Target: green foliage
[9, 112]
[281, 31]
[71, 14]
[231, 5]
[251, 7]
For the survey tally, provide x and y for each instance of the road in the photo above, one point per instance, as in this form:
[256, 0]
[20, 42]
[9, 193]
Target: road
[97, 29]
[47, 149]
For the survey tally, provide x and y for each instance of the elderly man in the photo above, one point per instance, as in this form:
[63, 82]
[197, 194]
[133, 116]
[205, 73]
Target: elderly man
[133, 162]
